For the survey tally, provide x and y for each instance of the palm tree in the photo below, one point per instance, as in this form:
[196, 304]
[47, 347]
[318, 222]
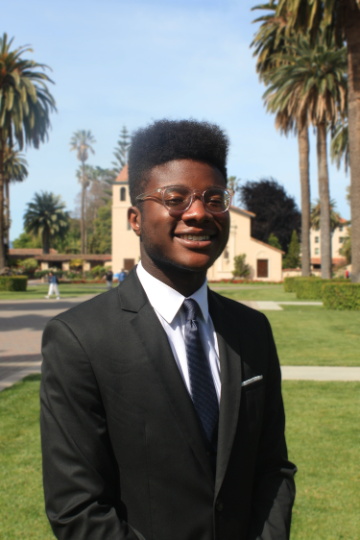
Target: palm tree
[341, 19]
[81, 141]
[311, 86]
[25, 106]
[335, 219]
[271, 45]
[46, 216]
[15, 170]
[339, 149]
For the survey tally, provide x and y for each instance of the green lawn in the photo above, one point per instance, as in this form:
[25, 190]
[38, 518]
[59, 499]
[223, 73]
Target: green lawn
[35, 292]
[255, 292]
[323, 438]
[314, 336]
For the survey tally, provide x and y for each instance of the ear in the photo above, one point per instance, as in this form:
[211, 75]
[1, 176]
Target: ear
[134, 218]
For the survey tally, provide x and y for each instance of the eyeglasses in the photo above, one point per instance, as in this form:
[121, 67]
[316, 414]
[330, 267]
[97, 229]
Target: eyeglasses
[178, 199]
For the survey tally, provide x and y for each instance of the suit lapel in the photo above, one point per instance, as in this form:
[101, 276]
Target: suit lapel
[154, 341]
[230, 365]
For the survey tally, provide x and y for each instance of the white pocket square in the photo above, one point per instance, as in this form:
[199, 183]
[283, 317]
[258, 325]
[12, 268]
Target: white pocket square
[250, 381]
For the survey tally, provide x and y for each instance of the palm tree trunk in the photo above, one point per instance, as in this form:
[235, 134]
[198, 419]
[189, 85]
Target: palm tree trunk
[7, 202]
[303, 140]
[324, 196]
[82, 224]
[2, 251]
[352, 36]
[46, 241]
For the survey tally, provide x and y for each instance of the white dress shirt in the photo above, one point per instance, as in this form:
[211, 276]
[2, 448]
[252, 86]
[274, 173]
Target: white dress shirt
[167, 304]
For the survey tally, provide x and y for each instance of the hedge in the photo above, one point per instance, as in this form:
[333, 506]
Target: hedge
[290, 283]
[311, 288]
[341, 296]
[13, 283]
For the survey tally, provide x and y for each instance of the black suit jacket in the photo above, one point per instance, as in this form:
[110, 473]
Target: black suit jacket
[123, 454]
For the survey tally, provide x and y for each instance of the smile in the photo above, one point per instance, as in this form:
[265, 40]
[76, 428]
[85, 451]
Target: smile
[196, 237]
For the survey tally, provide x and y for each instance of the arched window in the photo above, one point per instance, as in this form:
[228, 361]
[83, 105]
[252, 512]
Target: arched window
[122, 194]
[226, 253]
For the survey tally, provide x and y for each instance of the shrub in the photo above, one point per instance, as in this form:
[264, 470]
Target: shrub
[341, 296]
[310, 288]
[290, 283]
[13, 283]
[98, 271]
[241, 269]
[29, 265]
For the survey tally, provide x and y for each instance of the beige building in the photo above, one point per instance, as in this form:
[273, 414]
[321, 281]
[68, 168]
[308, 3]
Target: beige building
[265, 261]
[337, 241]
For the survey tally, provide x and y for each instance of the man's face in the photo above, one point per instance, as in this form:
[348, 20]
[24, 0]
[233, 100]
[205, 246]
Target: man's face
[176, 241]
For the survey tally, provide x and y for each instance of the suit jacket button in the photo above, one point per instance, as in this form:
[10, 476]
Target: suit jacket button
[219, 505]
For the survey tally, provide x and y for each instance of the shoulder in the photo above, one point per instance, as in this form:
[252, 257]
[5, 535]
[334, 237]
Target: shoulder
[234, 308]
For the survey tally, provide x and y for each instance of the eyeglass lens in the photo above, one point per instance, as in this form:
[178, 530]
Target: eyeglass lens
[177, 199]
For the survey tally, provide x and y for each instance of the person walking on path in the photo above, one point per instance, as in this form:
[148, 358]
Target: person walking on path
[109, 279]
[53, 286]
[122, 275]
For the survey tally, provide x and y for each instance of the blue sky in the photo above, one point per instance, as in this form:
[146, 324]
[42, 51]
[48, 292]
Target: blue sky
[121, 63]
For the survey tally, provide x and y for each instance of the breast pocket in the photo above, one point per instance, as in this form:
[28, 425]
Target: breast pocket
[253, 397]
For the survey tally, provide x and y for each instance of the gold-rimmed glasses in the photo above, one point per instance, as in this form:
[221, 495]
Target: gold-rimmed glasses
[178, 199]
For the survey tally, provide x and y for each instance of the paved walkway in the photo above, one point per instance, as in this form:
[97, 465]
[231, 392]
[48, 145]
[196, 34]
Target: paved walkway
[22, 323]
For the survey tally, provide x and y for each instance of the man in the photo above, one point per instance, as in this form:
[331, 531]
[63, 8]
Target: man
[162, 416]
[109, 279]
[122, 275]
[53, 286]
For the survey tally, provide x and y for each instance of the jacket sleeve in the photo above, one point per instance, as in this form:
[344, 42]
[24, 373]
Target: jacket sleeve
[80, 473]
[274, 490]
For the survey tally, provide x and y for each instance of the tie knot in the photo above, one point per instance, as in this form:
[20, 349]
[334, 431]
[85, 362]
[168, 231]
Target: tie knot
[191, 309]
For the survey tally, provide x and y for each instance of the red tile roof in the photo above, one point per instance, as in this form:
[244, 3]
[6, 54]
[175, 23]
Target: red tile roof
[122, 177]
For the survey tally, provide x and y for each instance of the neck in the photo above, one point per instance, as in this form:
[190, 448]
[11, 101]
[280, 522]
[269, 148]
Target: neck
[184, 281]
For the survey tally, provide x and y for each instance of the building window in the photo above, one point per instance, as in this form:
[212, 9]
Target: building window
[128, 224]
[317, 239]
[341, 240]
[317, 251]
[122, 194]
[226, 253]
[341, 228]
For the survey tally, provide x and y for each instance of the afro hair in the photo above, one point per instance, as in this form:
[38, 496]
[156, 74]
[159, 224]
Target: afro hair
[167, 140]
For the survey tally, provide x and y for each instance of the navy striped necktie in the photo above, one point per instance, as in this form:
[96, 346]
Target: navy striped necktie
[202, 386]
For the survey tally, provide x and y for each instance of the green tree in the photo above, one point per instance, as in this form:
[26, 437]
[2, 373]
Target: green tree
[274, 241]
[345, 250]
[241, 269]
[271, 45]
[121, 151]
[25, 106]
[15, 170]
[101, 239]
[341, 20]
[46, 216]
[335, 219]
[312, 86]
[70, 241]
[27, 241]
[82, 142]
[292, 258]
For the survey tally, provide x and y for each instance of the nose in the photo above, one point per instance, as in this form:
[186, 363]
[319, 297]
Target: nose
[197, 211]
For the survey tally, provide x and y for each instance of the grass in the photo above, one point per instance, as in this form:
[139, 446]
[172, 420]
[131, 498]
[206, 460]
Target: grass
[323, 438]
[308, 335]
[314, 336]
[34, 292]
[259, 292]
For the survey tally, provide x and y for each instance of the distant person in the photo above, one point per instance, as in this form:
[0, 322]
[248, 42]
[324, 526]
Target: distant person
[53, 286]
[109, 279]
[122, 275]
[347, 274]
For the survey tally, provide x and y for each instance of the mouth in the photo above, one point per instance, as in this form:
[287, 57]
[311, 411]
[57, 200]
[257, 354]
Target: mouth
[194, 237]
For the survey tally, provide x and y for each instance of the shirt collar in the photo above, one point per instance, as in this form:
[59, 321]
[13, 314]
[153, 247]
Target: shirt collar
[166, 300]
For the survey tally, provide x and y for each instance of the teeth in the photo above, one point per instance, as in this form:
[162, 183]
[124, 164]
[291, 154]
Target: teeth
[197, 237]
